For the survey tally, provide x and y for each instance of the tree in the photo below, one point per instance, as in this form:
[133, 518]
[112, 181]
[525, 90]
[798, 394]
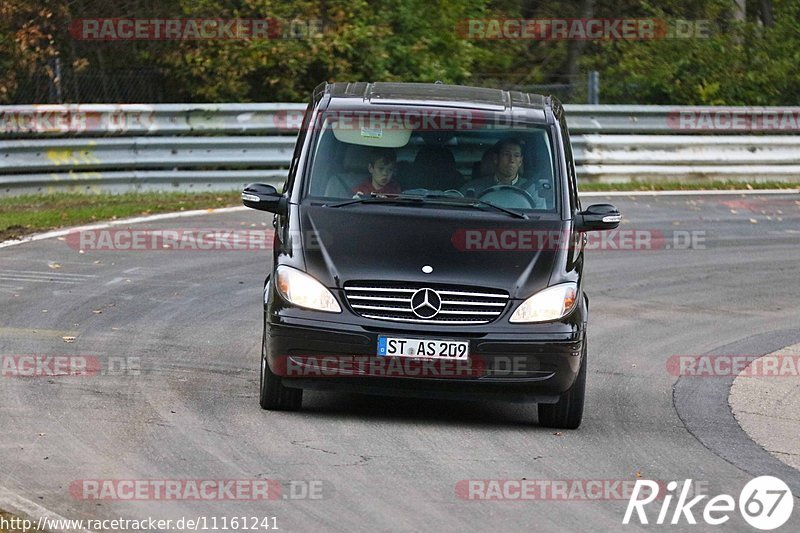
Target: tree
[749, 61]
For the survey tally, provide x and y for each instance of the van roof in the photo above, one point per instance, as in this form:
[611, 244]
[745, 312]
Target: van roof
[436, 94]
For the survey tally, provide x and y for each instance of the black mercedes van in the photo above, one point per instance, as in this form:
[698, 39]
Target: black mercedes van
[429, 241]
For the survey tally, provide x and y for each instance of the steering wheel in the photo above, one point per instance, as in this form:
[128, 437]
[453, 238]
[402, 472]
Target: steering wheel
[516, 191]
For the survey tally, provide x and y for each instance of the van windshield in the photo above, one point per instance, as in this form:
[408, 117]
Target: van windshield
[431, 153]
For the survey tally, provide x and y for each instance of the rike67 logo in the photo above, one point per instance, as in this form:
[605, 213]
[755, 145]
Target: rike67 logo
[765, 503]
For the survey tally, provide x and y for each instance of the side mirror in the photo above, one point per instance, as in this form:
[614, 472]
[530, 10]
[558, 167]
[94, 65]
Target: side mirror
[598, 217]
[264, 198]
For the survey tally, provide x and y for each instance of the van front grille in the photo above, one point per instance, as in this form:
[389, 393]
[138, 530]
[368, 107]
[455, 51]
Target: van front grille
[425, 303]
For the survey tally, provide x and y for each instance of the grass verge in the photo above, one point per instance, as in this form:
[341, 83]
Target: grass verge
[23, 215]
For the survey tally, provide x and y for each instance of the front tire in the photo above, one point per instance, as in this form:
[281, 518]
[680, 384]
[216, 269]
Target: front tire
[273, 395]
[567, 413]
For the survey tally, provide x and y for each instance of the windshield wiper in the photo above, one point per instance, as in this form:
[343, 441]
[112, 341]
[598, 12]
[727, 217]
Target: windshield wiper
[475, 202]
[437, 197]
[377, 198]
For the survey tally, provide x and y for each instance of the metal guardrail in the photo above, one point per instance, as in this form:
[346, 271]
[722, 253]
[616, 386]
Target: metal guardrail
[222, 146]
[143, 152]
[148, 119]
[682, 120]
[614, 158]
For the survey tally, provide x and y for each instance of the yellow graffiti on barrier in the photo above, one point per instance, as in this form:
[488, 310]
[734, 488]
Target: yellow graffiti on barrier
[66, 157]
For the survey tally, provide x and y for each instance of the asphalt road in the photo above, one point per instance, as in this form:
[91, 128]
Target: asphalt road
[191, 323]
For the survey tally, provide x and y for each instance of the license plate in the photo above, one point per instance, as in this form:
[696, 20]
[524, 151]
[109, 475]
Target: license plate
[427, 348]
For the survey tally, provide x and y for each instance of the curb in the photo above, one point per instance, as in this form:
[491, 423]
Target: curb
[701, 403]
[766, 408]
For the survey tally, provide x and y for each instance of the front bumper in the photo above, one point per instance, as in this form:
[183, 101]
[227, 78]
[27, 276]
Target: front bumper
[511, 366]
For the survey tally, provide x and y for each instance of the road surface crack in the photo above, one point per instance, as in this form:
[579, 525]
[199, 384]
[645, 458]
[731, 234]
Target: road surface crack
[362, 459]
[303, 444]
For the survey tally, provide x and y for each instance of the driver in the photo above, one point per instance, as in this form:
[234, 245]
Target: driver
[507, 163]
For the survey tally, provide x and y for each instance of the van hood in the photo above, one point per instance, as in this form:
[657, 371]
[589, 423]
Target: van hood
[463, 246]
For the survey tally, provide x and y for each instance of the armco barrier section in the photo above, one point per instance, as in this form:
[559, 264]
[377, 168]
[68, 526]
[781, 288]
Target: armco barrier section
[119, 147]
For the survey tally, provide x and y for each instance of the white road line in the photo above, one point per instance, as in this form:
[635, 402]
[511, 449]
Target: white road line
[12, 290]
[50, 273]
[122, 222]
[13, 278]
[59, 273]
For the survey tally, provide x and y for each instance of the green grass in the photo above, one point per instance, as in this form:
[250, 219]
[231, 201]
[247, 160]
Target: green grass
[684, 186]
[23, 215]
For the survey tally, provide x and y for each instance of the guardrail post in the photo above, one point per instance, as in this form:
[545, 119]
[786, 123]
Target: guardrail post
[594, 87]
[55, 80]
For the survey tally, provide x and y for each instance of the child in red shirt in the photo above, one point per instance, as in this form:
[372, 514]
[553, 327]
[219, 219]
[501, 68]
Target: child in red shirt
[381, 170]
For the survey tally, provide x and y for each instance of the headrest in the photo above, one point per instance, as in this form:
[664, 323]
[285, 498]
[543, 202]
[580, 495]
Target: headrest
[356, 158]
[435, 156]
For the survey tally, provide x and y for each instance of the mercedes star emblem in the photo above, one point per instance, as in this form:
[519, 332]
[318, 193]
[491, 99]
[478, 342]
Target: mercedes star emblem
[426, 303]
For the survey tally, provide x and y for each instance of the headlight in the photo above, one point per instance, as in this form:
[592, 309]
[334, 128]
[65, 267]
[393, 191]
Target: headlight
[551, 303]
[302, 290]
